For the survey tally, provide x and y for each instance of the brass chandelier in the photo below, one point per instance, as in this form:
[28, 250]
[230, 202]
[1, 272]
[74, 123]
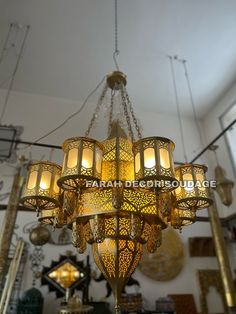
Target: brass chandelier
[118, 194]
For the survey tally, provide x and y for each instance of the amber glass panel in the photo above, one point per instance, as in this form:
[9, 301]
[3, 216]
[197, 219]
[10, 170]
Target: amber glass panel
[72, 158]
[32, 180]
[45, 181]
[164, 158]
[137, 162]
[149, 158]
[189, 179]
[87, 158]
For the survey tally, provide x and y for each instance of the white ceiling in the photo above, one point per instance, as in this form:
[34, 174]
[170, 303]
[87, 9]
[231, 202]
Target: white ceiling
[71, 43]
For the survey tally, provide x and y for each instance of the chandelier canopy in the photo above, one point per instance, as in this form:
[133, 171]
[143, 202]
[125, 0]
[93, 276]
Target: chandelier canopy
[119, 194]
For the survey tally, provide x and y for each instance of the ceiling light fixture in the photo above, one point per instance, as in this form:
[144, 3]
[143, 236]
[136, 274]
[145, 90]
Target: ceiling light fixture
[116, 195]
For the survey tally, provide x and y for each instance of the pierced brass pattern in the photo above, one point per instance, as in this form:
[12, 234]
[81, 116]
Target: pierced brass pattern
[118, 160]
[40, 190]
[78, 168]
[158, 164]
[155, 238]
[196, 197]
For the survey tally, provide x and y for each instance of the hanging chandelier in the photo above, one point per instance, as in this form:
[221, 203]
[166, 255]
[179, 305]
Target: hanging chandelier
[119, 194]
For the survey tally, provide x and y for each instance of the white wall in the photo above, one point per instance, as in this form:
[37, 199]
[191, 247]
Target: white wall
[212, 127]
[38, 114]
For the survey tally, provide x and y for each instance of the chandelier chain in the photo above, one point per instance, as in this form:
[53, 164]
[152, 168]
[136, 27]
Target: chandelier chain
[111, 111]
[97, 109]
[184, 62]
[178, 107]
[126, 113]
[131, 109]
[116, 51]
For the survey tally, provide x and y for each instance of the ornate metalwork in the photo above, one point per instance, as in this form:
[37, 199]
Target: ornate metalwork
[41, 190]
[192, 194]
[154, 161]
[82, 161]
[117, 195]
[210, 278]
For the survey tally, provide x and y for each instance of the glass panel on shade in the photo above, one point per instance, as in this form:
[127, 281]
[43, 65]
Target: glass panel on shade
[45, 181]
[72, 158]
[87, 158]
[56, 187]
[32, 180]
[149, 157]
[188, 182]
[98, 160]
[200, 178]
[137, 162]
[164, 158]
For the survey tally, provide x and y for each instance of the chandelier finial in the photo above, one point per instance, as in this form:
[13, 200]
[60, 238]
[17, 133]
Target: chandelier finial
[116, 78]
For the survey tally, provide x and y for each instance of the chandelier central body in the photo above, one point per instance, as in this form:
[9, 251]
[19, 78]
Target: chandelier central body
[117, 219]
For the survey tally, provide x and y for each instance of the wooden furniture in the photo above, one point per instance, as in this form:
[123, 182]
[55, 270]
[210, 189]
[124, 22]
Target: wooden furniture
[184, 303]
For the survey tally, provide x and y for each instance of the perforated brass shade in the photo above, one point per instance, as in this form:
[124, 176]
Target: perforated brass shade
[154, 161]
[82, 161]
[117, 259]
[193, 196]
[182, 217]
[41, 190]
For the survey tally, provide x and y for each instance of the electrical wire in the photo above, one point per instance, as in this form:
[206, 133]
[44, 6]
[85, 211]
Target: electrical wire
[4, 49]
[68, 118]
[184, 63]
[14, 75]
[178, 107]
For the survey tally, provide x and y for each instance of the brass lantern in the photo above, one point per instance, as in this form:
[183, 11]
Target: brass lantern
[224, 186]
[82, 161]
[117, 256]
[182, 217]
[192, 193]
[41, 190]
[154, 162]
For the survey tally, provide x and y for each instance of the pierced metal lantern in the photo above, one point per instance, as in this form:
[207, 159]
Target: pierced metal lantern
[154, 162]
[182, 217]
[82, 161]
[63, 215]
[41, 190]
[193, 192]
[117, 256]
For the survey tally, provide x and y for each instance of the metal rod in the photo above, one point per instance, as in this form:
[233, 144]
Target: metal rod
[213, 141]
[30, 143]
[9, 221]
[222, 257]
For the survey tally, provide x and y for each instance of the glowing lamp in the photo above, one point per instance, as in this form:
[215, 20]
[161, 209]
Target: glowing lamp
[154, 161]
[193, 192]
[82, 161]
[41, 190]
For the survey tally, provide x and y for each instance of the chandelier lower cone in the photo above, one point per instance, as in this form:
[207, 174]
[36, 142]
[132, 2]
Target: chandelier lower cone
[108, 192]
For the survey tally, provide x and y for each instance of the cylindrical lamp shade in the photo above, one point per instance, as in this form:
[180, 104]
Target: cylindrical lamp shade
[82, 161]
[154, 162]
[41, 190]
[181, 218]
[54, 217]
[193, 192]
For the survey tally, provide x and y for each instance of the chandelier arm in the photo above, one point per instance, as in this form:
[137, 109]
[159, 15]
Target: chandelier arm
[97, 110]
[131, 109]
[126, 113]
[111, 111]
